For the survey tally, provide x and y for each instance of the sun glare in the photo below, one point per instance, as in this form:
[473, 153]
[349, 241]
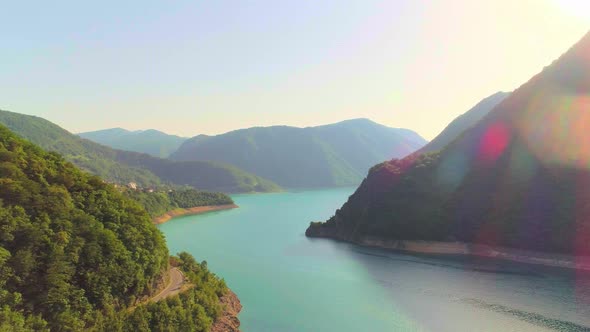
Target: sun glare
[579, 8]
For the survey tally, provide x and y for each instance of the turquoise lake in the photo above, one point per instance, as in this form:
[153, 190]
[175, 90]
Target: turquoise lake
[287, 282]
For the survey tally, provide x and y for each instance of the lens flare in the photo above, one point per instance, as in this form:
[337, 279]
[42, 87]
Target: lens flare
[493, 142]
[554, 129]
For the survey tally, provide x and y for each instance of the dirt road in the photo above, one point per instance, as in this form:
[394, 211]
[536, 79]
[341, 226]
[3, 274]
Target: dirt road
[173, 288]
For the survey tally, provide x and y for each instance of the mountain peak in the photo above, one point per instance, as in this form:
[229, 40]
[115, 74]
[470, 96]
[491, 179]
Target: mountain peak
[335, 154]
[150, 141]
[358, 120]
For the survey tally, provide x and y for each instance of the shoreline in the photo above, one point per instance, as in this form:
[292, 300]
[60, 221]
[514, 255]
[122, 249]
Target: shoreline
[228, 321]
[191, 211]
[581, 263]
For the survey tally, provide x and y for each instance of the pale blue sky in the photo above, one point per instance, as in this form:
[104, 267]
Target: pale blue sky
[191, 67]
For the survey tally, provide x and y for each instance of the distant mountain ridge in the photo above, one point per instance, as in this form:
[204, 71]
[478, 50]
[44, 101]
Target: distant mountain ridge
[119, 166]
[519, 178]
[464, 122]
[150, 141]
[338, 154]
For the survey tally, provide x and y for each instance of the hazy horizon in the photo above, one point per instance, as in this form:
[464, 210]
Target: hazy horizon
[210, 68]
[224, 132]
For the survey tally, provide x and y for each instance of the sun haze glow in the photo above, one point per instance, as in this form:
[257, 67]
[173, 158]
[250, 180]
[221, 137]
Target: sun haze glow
[580, 8]
[208, 67]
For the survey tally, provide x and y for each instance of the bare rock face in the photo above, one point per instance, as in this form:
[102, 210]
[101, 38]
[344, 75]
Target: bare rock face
[228, 321]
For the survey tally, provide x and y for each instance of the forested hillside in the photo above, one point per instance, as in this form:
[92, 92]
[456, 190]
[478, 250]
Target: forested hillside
[119, 166]
[202, 175]
[75, 253]
[518, 178]
[70, 244]
[194, 309]
[87, 155]
[158, 203]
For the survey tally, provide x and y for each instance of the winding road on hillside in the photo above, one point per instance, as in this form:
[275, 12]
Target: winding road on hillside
[174, 286]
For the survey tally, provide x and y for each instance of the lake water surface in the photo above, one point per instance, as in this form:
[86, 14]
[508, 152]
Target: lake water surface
[287, 282]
